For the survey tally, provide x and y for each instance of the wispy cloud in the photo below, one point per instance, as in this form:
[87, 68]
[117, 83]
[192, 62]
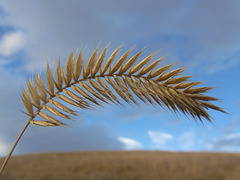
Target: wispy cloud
[186, 140]
[228, 142]
[180, 29]
[130, 144]
[3, 147]
[11, 43]
[160, 139]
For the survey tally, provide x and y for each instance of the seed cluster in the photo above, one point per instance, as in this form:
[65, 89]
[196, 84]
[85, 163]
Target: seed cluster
[106, 80]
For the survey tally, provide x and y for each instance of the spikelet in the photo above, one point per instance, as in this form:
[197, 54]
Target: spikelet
[50, 81]
[78, 66]
[106, 88]
[59, 82]
[69, 69]
[43, 123]
[107, 65]
[129, 64]
[112, 81]
[99, 89]
[134, 69]
[99, 62]
[90, 90]
[50, 118]
[27, 101]
[34, 94]
[56, 112]
[149, 68]
[75, 97]
[90, 64]
[41, 88]
[119, 62]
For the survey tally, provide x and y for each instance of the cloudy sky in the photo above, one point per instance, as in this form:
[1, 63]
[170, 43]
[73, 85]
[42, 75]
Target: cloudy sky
[203, 35]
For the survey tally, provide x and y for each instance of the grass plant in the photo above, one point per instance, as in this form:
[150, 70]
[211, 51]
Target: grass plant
[111, 80]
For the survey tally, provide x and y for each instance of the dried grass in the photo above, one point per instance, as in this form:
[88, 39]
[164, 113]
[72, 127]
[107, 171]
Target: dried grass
[125, 165]
[150, 83]
[129, 81]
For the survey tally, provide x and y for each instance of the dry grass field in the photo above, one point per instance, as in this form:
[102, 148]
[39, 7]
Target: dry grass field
[135, 165]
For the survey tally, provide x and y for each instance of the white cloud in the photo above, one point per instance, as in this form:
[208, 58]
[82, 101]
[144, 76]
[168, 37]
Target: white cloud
[3, 148]
[159, 139]
[130, 144]
[186, 140]
[11, 43]
[196, 39]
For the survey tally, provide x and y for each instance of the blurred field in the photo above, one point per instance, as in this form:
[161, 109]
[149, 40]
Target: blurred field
[136, 165]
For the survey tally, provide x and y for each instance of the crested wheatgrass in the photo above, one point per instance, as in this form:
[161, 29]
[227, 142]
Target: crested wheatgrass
[110, 82]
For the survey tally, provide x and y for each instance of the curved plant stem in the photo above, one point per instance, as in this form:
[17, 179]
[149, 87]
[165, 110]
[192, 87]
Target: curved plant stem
[10, 153]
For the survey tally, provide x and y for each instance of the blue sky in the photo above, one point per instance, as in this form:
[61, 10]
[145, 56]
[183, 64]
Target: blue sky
[203, 35]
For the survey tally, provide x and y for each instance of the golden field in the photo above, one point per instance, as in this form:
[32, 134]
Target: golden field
[124, 165]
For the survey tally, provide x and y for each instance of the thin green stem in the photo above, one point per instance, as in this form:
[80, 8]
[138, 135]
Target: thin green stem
[10, 153]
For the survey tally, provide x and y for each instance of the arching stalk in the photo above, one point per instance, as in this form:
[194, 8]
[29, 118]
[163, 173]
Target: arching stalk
[15, 144]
